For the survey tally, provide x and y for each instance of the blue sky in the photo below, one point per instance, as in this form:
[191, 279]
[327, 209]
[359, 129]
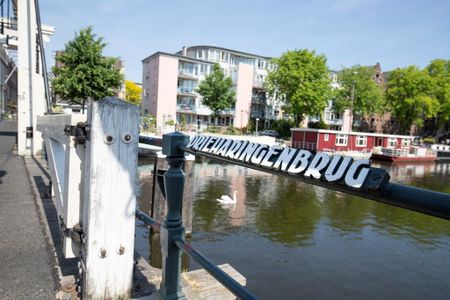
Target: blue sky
[395, 33]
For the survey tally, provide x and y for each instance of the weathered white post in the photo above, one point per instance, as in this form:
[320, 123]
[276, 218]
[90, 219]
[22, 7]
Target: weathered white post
[110, 183]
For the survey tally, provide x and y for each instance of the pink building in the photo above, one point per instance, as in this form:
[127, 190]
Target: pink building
[169, 82]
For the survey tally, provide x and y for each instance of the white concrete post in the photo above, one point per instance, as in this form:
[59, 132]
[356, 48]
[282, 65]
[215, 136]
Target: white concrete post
[110, 186]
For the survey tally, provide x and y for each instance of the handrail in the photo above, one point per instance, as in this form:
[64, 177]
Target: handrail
[147, 219]
[225, 279]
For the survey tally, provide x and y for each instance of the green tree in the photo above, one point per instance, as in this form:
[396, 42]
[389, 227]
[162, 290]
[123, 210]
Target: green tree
[132, 92]
[439, 71]
[216, 91]
[409, 95]
[85, 74]
[358, 91]
[301, 78]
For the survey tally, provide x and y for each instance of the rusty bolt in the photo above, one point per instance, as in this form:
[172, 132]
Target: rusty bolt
[121, 250]
[103, 253]
[68, 288]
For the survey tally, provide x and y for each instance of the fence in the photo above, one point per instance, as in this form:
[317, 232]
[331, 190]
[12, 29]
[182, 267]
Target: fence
[93, 167]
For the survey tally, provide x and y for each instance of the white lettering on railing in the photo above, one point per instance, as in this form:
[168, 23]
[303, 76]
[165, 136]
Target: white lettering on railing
[318, 166]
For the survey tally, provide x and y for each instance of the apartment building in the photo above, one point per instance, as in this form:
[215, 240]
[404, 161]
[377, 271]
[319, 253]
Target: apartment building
[169, 82]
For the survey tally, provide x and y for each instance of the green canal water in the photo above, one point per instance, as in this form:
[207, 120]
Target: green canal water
[292, 240]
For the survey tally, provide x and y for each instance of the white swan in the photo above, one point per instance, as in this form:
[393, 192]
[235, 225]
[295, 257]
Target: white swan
[227, 199]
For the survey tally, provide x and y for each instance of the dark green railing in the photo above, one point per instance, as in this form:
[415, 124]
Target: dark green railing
[375, 187]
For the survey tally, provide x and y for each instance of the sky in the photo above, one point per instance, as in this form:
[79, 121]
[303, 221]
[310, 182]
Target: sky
[396, 33]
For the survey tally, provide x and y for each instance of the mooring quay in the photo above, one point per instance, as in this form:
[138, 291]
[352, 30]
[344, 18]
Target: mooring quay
[79, 242]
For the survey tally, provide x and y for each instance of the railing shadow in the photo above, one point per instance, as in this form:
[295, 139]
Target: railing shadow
[68, 266]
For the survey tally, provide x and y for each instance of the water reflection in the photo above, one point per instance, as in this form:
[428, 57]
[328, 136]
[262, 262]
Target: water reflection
[303, 225]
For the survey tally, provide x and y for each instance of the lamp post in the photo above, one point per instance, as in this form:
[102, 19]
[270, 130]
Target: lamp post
[257, 120]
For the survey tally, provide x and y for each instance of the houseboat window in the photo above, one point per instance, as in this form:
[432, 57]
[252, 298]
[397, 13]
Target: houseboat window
[405, 142]
[361, 141]
[326, 137]
[341, 140]
[392, 142]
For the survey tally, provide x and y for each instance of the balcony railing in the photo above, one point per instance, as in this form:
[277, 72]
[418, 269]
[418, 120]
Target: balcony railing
[334, 122]
[228, 111]
[187, 72]
[185, 90]
[186, 108]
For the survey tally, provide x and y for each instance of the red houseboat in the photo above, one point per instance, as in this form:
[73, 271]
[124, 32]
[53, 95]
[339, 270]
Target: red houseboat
[388, 147]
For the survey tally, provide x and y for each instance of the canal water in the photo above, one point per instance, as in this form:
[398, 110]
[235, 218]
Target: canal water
[292, 240]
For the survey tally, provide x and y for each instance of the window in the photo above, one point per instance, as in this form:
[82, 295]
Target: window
[341, 140]
[326, 137]
[199, 53]
[405, 142]
[392, 142]
[361, 141]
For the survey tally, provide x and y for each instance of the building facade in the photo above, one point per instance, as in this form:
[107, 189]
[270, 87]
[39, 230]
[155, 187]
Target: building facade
[169, 82]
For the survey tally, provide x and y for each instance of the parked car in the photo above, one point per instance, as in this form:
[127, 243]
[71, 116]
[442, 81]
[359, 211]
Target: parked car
[269, 133]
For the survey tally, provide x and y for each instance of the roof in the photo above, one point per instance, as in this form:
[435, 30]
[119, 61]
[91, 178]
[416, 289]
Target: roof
[227, 49]
[194, 60]
[354, 133]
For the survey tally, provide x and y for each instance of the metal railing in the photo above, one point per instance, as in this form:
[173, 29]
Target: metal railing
[226, 280]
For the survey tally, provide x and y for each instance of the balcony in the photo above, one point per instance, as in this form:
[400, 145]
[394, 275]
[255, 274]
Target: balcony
[259, 99]
[228, 111]
[187, 108]
[334, 122]
[186, 90]
[188, 73]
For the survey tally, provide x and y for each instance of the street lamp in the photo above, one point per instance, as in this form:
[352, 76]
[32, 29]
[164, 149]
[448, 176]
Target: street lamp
[257, 120]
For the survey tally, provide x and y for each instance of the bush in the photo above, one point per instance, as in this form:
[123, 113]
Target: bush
[212, 129]
[170, 123]
[429, 140]
[231, 130]
[283, 127]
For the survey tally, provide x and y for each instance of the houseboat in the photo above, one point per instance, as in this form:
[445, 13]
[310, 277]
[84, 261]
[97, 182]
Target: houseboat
[442, 151]
[389, 147]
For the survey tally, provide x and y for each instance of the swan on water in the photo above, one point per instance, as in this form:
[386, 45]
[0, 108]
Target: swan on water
[227, 199]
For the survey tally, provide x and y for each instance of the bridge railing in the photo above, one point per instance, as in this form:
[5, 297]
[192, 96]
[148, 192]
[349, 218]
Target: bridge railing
[93, 167]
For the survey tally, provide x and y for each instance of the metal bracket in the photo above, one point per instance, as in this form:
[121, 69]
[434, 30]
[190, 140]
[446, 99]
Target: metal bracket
[80, 132]
[160, 180]
[75, 233]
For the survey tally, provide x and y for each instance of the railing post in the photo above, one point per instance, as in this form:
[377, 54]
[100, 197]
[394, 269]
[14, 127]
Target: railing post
[172, 228]
[109, 199]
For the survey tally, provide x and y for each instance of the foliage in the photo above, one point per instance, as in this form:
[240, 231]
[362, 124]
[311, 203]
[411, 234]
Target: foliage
[410, 97]
[170, 122]
[358, 91]
[231, 130]
[318, 125]
[283, 127]
[429, 140]
[216, 91]
[212, 129]
[439, 71]
[85, 73]
[148, 122]
[301, 78]
[133, 92]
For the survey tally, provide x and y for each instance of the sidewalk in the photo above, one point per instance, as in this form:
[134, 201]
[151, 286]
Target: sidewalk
[25, 262]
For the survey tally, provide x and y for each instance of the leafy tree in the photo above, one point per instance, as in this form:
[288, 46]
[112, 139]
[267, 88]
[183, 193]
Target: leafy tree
[358, 91]
[216, 91]
[132, 92]
[409, 95]
[439, 71]
[301, 78]
[85, 74]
